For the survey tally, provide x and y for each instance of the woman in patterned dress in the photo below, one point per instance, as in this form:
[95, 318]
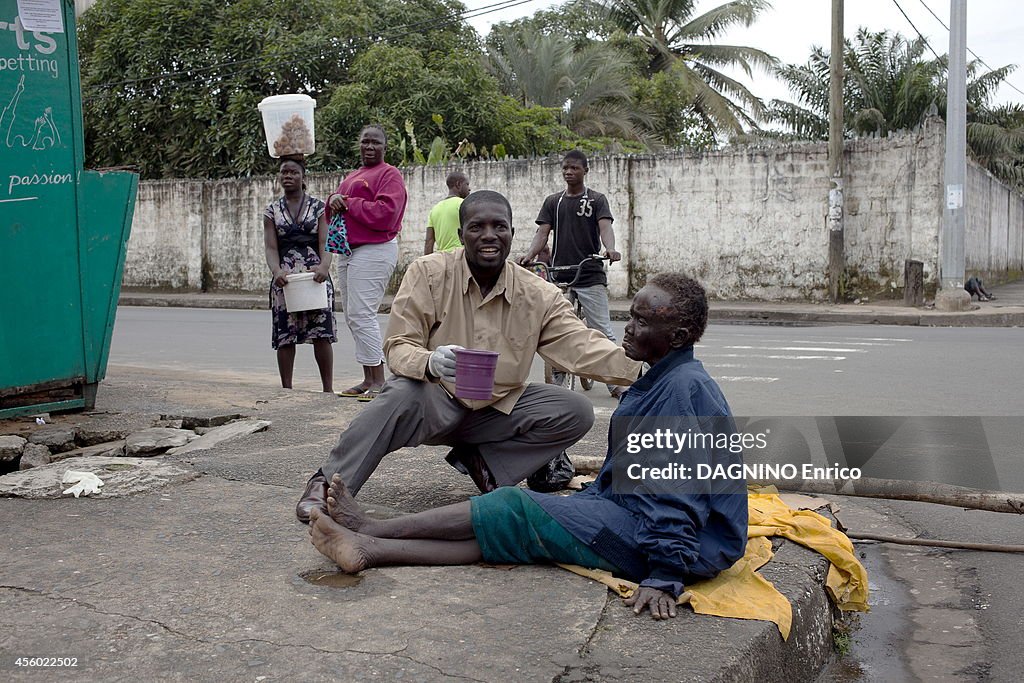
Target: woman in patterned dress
[295, 236]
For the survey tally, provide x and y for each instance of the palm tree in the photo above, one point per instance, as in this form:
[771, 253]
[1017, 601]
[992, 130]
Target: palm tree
[590, 86]
[995, 138]
[888, 86]
[673, 35]
[891, 85]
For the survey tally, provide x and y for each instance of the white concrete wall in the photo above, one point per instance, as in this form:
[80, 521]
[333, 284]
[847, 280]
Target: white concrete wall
[993, 241]
[166, 245]
[894, 204]
[749, 222]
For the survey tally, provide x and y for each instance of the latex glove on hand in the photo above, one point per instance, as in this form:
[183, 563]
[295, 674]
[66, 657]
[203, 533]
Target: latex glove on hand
[442, 362]
[85, 483]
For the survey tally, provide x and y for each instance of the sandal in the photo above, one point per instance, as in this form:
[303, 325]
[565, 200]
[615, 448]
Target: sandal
[353, 392]
[369, 395]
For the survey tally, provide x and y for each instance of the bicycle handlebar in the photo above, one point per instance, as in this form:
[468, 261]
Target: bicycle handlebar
[578, 268]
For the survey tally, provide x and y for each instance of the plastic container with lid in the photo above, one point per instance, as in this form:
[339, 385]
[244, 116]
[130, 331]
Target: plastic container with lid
[303, 293]
[288, 124]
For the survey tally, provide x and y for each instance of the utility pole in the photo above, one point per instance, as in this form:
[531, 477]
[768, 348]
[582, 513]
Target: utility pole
[836, 249]
[951, 295]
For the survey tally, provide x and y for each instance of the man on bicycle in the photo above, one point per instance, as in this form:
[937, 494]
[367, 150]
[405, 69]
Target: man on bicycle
[581, 221]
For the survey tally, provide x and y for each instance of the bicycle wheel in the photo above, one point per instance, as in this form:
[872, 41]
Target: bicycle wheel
[559, 378]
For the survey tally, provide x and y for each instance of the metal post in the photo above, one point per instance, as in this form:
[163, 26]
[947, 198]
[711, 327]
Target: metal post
[951, 296]
[836, 249]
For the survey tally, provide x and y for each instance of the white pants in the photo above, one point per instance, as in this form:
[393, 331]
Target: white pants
[362, 279]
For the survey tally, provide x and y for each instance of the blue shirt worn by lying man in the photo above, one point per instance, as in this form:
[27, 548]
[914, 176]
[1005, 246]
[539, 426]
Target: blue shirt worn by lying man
[675, 531]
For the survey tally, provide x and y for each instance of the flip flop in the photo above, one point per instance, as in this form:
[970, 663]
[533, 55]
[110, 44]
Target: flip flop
[368, 395]
[352, 392]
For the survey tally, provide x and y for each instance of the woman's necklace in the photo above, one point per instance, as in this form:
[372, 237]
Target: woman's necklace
[288, 210]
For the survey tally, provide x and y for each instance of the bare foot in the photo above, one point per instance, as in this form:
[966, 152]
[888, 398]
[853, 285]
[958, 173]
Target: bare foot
[337, 543]
[342, 507]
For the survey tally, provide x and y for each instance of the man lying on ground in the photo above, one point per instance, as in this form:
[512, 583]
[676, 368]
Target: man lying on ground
[659, 533]
[475, 298]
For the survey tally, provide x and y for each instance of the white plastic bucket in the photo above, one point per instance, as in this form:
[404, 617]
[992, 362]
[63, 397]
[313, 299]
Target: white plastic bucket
[288, 124]
[302, 293]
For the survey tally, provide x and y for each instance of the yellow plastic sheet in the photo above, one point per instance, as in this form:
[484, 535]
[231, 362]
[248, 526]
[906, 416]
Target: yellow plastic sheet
[740, 592]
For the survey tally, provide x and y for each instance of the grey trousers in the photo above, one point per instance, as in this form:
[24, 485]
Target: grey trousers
[594, 302]
[545, 421]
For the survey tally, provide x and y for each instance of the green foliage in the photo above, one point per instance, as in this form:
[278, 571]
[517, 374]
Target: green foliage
[590, 86]
[392, 85]
[417, 154]
[674, 35]
[581, 22]
[603, 145]
[427, 26]
[439, 153]
[891, 84]
[157, 93]
[173, 86]
[668, 99]
[533, 131]
[842, 633]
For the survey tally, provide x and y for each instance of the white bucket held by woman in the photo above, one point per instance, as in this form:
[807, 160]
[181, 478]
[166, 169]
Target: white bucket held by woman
[303, 293]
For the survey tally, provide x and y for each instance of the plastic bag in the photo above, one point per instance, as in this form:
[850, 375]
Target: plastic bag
[337, 236]
[553, 476]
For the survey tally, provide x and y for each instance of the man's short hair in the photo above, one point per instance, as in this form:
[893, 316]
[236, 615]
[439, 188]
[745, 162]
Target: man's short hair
[689, 300]
[483, 196]
[454, 178]
[577, 155]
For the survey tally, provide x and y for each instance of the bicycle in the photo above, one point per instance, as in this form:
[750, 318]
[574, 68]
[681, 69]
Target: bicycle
[553, 374]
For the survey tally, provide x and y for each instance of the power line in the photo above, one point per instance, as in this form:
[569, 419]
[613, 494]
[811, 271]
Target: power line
[976, 56]
[919, 34]
[393, 32]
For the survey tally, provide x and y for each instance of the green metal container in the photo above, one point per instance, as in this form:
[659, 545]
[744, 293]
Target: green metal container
[63, 230]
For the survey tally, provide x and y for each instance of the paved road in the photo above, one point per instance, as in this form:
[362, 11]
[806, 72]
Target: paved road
[953, 615]
[837, 370]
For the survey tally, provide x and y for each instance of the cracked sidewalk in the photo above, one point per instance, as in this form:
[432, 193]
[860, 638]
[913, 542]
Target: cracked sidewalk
[202, 580]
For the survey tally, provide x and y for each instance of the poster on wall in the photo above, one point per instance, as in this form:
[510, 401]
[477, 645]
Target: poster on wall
[41, 15]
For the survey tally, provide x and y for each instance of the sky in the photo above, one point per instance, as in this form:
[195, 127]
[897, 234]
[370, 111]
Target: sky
[788, 30]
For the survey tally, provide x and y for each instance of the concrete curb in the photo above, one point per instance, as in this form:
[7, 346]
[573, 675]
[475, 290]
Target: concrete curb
[800, 575]
[766, 313]
[538, 624]
[755, 651]
[986, 318]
